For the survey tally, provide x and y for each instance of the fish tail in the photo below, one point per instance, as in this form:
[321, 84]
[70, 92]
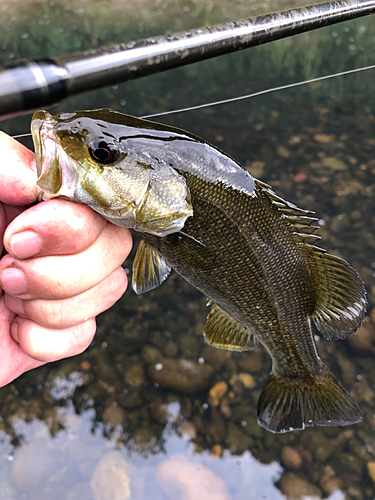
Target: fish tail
[287, 405]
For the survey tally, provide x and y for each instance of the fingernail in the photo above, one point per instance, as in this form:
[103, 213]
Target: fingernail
[15, 304]
[25, 245]
[14, 281]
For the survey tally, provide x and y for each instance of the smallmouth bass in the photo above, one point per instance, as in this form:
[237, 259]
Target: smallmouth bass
[250, 252]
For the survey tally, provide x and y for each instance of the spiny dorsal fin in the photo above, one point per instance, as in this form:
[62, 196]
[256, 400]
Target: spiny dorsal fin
[340, 295]
[299, 219]
[222, 331]
[149, 268]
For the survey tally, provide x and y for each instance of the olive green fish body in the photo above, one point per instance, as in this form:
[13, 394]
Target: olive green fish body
[250, 252]
[236, 268]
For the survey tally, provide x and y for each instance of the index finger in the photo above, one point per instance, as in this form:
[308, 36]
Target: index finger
[17, 173]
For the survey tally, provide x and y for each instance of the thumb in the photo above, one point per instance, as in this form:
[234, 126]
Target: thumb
[17, 173]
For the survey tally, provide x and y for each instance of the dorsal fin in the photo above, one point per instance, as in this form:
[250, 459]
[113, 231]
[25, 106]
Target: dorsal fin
[222, 331]
[149, 268]
[300, 220]
[340, 295]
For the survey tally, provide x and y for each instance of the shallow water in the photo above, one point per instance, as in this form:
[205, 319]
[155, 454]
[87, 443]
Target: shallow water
[104, 425]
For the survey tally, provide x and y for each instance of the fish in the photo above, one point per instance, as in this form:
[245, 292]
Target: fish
[252, 253]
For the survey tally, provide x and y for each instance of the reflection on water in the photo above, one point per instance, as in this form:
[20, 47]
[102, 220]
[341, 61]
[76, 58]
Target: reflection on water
[151, 411]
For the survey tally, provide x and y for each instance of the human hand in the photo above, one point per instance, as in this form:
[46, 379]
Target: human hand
[63, 267]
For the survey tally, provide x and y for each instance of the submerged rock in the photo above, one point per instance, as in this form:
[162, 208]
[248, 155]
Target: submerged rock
[238, 442]
[184, 480]
[114, 415]
[217, 392]
[295, 488]
[371, 471]
[111, 478]
[291, 458]
[181, 375]
[364, 340]
[135, 375]
[35, 463]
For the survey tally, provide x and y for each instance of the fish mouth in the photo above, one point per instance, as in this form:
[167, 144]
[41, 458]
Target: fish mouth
[44, 140]
[55, 170]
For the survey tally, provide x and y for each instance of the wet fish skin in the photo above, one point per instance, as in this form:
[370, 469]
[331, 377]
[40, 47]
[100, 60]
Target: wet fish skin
[250, 252]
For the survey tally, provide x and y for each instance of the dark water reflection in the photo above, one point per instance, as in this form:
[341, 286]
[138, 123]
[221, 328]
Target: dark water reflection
[104, 425]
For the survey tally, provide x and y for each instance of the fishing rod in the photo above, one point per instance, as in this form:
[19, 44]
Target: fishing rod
[245, 96]
[34, 84]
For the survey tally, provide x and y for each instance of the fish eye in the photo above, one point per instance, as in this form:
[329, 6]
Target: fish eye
[102, 152]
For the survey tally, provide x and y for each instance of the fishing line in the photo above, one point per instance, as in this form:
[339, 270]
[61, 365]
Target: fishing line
[21, 135]
[261, 92]
[247, 96]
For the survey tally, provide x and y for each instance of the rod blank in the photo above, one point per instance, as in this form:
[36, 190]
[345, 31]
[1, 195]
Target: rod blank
[41, 83]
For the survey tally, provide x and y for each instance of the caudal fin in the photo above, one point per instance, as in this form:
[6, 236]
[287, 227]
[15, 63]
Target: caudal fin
[288, 405]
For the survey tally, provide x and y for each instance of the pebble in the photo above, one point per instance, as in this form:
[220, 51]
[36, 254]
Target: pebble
[364, 340]
[181, 375]
[250, 362]
[295, 488]
[245, 378]
[348, 370]
[329, 482]
[159, 412]
[257, 168]
[300, 177]
[143, 440]
[215, 357]
[135, 375]
[151, 354]
[318, 444]
[291, 457]
[184, 480]
[238, 442]
[130, 400]
[187, 431]
[171, 349]
[113, 415]
[283, 152]
[217, 392]
[371, 471]
[323, 138]
[216, 451]
[217, 428]
[111, 478]
[334, 164]
[251, 426]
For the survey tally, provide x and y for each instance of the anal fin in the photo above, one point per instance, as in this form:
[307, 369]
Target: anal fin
[224, 332]
[288, 405]
[149, 268]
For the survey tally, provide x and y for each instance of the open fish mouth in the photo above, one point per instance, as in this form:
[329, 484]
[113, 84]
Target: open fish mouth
[44, 141]
[55, 170]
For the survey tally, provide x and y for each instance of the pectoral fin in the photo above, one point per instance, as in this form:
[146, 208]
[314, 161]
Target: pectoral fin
[149, 268]
[222, 331]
